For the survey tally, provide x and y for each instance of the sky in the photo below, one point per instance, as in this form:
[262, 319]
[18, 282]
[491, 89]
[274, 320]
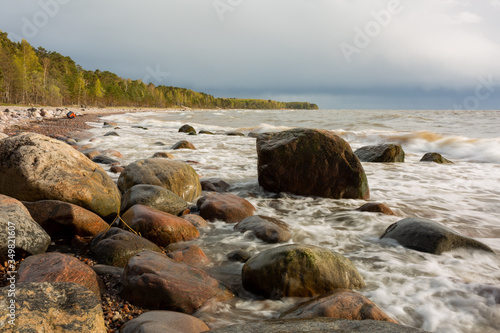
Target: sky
[340, 54]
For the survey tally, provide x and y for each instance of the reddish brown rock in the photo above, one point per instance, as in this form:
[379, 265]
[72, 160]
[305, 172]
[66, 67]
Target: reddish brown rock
[191, 255]
[116, 169]
[227, 207]
[183, 144]
[114, 153]
[166, 322]
[155, 281]
[196, 220]
[159, 227]
[340, 304]
[376, 207]
[64, 220]
[58, 267]
[91, 153]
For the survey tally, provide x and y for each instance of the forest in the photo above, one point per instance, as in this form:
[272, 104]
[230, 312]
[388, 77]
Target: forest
[30, 76]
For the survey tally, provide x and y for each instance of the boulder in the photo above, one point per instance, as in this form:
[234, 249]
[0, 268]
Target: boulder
[191, 255]
[183, 144]
[187, 129]
[298, 271]
[376, 207]
[35, 167]
[91, 153]
[175, 176]
[153, 196]
[64, 220]
[268, 229]
[239, 255]
[155, 281]
[226, 207]
[18, 228]
[107, 270]
[164, 322]
[196, 220]
[163, 154]
[214, 185]
[59, 307]
[116, 246]
[310, 162]
[114, 153]
[103, 159]
[159, 227]
[340, 304]
[428, 236]
[436, 158]
[58, 267]
[318, 325]
[116, 169]
[387, 152]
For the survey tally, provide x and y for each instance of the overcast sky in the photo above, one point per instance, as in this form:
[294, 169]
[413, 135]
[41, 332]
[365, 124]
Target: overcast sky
[369, 54]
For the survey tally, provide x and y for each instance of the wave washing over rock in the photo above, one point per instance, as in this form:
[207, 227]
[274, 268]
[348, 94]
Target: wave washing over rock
[455, 291]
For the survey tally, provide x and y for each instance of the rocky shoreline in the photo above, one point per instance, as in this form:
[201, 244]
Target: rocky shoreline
[139, 271]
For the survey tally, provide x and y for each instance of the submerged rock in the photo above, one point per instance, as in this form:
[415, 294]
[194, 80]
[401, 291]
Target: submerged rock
[310, 162]
[376, 207]
[183, 144]
[340, 304]
[436, 158]
[155, 281]
[53, 307]
[226, 207]
[387, 152]
[187, 129]
[298, 271]
[153, 196]
[58, 267]
[239, 255]
[162, 154]
[159, 227]
[35, 167]
[428, 236]
[175, 176]
[16, 224]
[266, 228]
[318, 325]
[164, 321]
[116, 246]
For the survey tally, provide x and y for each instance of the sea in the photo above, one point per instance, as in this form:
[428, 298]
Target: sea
[456, 291]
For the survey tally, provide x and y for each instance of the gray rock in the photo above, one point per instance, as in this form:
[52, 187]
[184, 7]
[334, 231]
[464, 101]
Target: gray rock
[239, 255]
[153, 196]
[266, 228]
[387, 152]
[103, 159]
[214, 185]
[187, 129]
[318, 325]
[20, 229]
[428, 236]
[100, 269]
[116, 246]
[53, 307]
[436, 158]
[298, 271]
[175, 176]
[112, 133]
[164, 322]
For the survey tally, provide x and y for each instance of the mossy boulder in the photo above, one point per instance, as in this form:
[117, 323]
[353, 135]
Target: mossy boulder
[153, 196]
[175, 176]
[383, 153]
[428, 236]
[299, 271]
[35, 167]
[310, 162]
[436, 158]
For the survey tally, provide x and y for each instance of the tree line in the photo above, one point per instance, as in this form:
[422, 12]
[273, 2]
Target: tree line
[30, 76]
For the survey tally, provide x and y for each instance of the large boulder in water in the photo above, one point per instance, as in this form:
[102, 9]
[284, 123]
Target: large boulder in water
[299, 271]
[428, 236]
[17, 226]
[310, 162]
[340, 304]
[226, 207]
[153, 196]
[387, 152]
[318, 325]
[35, 167]
[53, 307]
[155, 281]
[175, 176]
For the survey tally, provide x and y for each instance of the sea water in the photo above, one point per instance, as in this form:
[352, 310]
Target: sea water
[457, 291]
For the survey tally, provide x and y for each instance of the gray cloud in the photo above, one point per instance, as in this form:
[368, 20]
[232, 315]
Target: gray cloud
[427, 54]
